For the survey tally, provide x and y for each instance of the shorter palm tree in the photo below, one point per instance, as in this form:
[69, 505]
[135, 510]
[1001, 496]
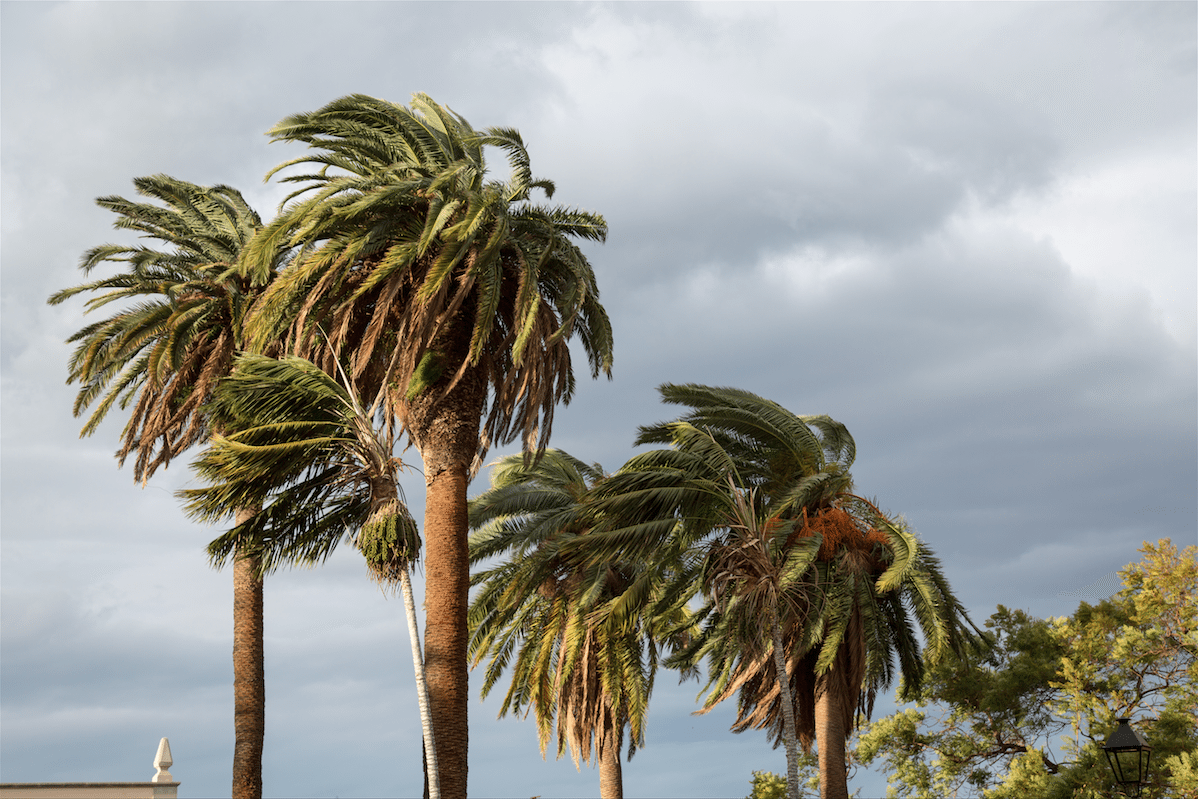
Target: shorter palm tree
[841, 637]
[180, 305]
[309, 446]
[585, 648]
[758, 577]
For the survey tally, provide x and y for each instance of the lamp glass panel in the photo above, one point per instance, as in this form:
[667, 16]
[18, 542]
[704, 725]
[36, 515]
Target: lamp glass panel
[1127, 766]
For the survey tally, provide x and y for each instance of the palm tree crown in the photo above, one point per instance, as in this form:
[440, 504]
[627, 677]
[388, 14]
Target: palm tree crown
[403, 242]
[550, 617]
[165, 353]
[301, 443]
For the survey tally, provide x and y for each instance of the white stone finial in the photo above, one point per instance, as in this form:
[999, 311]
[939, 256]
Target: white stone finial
[162, 761]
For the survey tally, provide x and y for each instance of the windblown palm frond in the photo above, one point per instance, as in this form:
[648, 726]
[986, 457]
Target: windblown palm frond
[577, 638]
[179, 325]
[403, 240]
[302, 445]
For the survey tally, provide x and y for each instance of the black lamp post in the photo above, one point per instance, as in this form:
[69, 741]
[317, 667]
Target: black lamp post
[1128, 753]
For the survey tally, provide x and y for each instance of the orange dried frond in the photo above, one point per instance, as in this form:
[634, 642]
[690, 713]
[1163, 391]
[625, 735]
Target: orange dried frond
[841, 530]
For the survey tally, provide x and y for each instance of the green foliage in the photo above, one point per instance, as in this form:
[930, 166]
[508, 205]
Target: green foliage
[767, 785]
[1028, 715]
[1027, 776]
[305, 447]
[427, 373]
[179, 305]
[1183, 774]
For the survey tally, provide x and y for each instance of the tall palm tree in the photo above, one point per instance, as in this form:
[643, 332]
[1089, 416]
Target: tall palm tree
[458, 293]
[311, 445]
[174, 334]
[576, 663]
[743, 483]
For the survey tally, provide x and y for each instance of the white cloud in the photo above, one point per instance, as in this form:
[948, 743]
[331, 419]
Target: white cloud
[1129, 224]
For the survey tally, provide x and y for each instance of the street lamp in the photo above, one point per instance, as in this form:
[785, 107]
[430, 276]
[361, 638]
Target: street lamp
[1128, 753]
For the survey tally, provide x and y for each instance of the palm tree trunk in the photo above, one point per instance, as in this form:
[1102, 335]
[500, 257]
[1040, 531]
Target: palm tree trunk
[611, 773]
[789, 730]
[829, 734]
[445, 428]
[426, 722]
[249, 673]
[447, 569]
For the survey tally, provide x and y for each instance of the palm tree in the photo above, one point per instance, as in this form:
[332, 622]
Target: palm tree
[745, 556]
[576, 662]
[749, 488]
[164, 354]
[840, 648]
[456, 292]
[757, 576]
[310, 444]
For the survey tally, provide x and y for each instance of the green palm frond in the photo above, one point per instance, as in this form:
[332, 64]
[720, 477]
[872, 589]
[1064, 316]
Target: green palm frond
[577, 638]
[402, 244]
[301, 444]
[179, 316]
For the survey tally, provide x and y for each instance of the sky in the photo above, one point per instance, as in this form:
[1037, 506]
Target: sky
[967, 231]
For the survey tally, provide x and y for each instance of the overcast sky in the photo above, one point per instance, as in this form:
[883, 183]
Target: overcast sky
[966, 231]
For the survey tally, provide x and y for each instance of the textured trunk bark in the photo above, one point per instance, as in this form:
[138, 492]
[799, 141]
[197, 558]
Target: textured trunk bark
[249, 675]
[789, 729]
[829, 734]
[611, 772]
[447, 571]
[444, 428]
